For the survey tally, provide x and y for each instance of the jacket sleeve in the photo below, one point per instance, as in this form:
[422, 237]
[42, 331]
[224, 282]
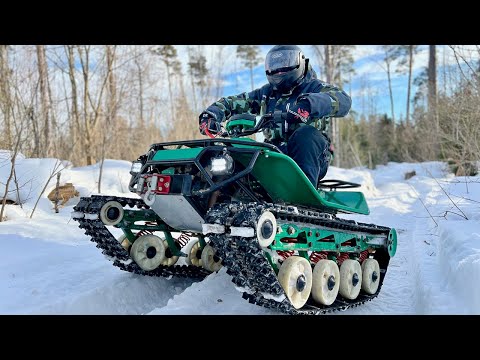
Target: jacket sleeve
[227, 106]
[327, 101]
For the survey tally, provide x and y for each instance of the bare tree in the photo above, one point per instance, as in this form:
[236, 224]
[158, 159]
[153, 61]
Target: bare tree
[44, 101]
[111, 108]
[391, 53]
[13, 157]
[250, 54]
[57, 167]
[407, 54]
[168, 55]
[199, 74]
[5, 100]
[337, 63]
[432, 85]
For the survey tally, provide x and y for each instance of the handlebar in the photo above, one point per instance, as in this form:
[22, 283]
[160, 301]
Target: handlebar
[244, 124]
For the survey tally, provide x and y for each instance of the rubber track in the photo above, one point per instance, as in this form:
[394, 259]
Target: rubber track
[250, 269]
[113, 250]
[243, 257]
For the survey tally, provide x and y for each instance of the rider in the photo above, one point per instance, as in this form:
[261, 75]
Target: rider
[293, 88]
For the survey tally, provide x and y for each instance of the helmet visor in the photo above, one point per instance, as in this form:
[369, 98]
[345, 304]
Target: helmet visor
[285, 60]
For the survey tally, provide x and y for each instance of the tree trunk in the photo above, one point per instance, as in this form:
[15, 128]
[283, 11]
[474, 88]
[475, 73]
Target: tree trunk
[111, 110]
[409, 86]
[75, 128]
[432, 87]
[390, 91]
[391, 100]
[44, 101]
[5, 98]
[192, 82]
[140, 93]
[170, 92]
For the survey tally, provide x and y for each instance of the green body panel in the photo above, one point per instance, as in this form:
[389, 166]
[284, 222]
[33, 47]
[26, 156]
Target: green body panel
[177, 154]
[245, 124]
[285, 182]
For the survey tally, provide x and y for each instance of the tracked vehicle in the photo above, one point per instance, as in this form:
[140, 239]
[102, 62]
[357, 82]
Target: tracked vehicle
[234, 202]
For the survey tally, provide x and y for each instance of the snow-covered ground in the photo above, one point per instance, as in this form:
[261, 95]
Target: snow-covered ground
[49, 266]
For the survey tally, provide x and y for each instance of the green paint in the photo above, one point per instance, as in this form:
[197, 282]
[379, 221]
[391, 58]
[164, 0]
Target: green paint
[201, 239]
[172, 245]
[244, 124]
[177, 154]
[169, 171]
[392, 242]
[129, 235]
[320, 240]
[285, 182]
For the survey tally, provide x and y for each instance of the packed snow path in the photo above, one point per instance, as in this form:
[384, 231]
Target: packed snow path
[48, 265]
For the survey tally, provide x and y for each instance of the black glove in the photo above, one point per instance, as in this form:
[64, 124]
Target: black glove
[300, 112]
[208, 122]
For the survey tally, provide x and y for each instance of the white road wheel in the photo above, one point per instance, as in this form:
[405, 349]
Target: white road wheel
[111, 213]
[326, 282]
[209, 260]
[148, 251]
[350, 279]
[169, 259]
[266, 229]
[122, 239]
[295, 276]
[194, 254]
[370, 276]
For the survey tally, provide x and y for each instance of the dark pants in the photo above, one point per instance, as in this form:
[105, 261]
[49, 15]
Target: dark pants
[309, 148]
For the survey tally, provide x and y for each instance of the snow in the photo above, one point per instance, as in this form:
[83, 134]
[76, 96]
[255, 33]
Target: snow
[49, 266]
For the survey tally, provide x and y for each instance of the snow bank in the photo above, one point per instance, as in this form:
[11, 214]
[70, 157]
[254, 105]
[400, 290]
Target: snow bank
[31, 174]
[459, 258]
[459, 239]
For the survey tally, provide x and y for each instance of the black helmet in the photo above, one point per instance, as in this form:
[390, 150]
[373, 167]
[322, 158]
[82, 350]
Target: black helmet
[285, 67]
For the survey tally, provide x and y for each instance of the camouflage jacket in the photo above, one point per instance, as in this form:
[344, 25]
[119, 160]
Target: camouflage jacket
[325, 101]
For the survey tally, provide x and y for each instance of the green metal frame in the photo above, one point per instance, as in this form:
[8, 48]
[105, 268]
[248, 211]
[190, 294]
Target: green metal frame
[127, 224]
[319, 240]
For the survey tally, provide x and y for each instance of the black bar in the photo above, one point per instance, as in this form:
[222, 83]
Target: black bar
[241, 174]
[210, 142]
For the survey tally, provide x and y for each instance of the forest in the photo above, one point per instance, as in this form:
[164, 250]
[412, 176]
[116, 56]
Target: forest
[85, 103]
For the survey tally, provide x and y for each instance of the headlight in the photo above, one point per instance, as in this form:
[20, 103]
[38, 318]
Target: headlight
[221, 165]
[136, 167]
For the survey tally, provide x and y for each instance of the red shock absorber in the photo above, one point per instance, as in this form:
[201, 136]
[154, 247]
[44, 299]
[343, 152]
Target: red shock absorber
[183, 239]
[363, 256]
[341, 258]
[316, 256]
[285, 254]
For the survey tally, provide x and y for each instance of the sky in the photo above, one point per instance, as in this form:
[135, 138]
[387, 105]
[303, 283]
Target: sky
[368, 66]
[48, 265]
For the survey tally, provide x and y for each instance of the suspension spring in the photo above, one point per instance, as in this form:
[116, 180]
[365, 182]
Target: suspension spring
[342, 257]
[146, 231]
[285, 254]
[183, 239]
[316, 256]
[363, 256]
